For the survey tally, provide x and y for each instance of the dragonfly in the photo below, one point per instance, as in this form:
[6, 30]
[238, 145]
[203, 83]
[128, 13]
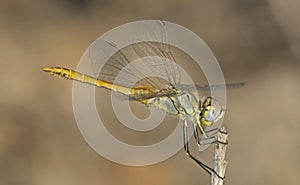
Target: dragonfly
[164, 92]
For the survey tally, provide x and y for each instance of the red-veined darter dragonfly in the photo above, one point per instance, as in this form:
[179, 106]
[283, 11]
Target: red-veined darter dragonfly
[168, 95]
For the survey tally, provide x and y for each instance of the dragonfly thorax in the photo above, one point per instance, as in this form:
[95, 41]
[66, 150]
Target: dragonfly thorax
[181, 104]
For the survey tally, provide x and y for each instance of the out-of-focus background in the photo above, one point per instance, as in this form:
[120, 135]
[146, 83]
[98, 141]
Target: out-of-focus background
[256, 41]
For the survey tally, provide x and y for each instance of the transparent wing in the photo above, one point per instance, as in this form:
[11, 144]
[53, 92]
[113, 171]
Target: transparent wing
[151, 40]
[107, 62]
[207, 88]
[110, 64]
[157, 72]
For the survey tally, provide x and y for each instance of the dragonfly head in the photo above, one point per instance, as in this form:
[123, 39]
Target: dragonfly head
[210, 111]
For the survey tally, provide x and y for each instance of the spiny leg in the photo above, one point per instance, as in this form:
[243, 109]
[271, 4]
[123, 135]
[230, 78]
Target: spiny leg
[210, 136]
[201, 128]
[196, 134]
[208, 169]
[214, 135]
[214, 131]
[199, 140]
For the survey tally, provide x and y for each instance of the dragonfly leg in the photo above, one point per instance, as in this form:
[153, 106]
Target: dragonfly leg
[196, 134]
[213, 131]
[206, 168]
[199, 140]
[216, 139]
[210, 136]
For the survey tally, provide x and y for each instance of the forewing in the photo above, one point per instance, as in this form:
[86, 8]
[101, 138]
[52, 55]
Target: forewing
[150, 45]
[151, 40]
[112, 65]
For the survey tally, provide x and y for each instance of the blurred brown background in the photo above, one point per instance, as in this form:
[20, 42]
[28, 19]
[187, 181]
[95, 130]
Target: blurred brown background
[256, 41]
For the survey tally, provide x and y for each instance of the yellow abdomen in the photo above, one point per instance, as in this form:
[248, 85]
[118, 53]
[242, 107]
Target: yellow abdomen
[73, 75]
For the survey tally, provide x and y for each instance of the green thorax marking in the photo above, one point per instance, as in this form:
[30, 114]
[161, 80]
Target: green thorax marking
[179, 104]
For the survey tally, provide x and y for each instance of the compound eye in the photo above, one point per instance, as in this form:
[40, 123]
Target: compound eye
[215, 111]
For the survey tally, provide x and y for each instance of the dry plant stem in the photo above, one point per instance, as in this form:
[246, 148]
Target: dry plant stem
[219, 163]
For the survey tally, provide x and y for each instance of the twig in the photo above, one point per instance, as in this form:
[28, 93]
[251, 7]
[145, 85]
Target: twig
[219, 163]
